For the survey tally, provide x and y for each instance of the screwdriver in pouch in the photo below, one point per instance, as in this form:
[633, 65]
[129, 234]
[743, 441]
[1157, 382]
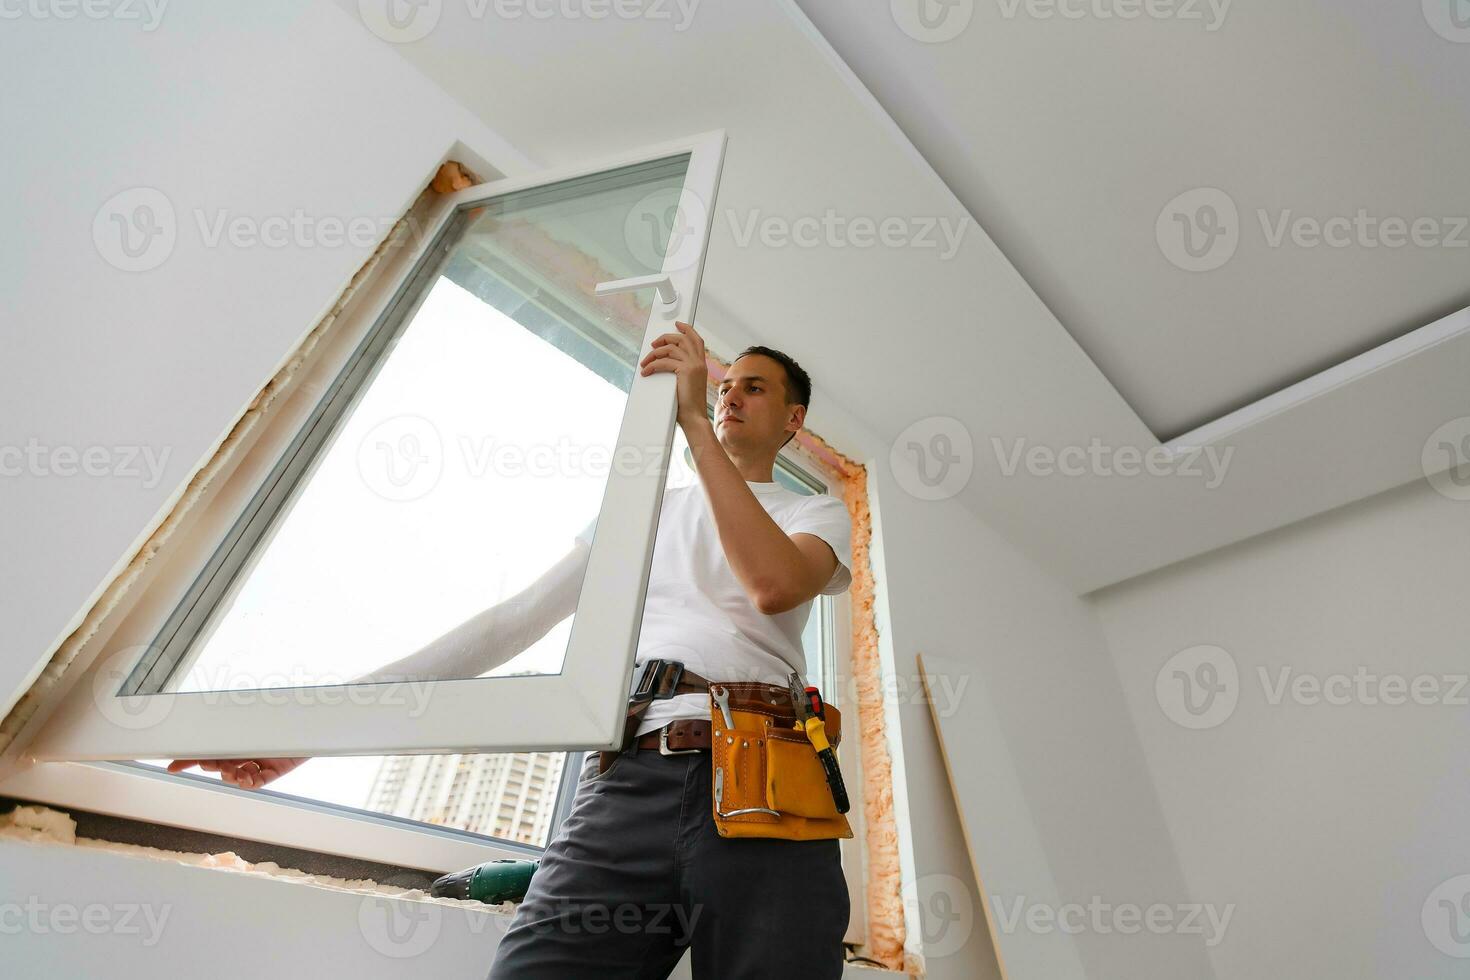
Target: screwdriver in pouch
[807, 702]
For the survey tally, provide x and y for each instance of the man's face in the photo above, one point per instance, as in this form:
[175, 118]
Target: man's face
[751, 411]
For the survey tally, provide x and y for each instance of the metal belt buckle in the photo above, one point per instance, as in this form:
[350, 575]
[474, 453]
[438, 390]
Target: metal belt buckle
[651, 686]
[663, 744]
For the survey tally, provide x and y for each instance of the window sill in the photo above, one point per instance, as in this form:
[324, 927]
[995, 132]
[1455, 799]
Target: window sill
[204, 804]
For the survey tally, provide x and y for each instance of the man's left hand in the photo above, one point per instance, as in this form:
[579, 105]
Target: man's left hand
[683, 354]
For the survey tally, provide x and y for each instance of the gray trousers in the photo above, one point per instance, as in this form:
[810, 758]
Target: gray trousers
[638, 873]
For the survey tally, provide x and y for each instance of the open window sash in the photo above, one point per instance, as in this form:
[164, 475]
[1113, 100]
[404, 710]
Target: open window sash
[580, 706]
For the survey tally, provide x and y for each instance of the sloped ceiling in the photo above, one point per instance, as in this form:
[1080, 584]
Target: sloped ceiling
[1066, 130]
[1058, 319]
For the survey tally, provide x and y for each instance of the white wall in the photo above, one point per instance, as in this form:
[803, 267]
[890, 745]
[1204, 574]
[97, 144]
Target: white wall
[957, 590]
[1329, 824]
[74, 912]
[246, 111]
[258, 110]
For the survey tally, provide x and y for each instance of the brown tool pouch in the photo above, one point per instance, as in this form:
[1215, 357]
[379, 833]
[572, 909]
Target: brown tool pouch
[767, 779]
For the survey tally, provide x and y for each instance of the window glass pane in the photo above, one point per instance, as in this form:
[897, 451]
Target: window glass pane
[471, 461]
[506, 795]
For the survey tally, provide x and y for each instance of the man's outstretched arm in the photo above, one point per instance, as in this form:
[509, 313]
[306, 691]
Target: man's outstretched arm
[495, 635]
[479, 644]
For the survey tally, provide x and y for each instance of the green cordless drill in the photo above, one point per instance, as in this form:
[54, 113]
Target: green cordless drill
[494, 882]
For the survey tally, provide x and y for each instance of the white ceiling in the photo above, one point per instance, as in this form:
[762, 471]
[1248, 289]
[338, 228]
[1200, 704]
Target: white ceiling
[1066, 137]
[1064, 140]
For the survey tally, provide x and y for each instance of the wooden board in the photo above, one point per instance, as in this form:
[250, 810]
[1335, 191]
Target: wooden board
[1006, 854]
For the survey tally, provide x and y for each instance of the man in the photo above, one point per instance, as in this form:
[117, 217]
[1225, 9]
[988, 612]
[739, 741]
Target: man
[638, 870]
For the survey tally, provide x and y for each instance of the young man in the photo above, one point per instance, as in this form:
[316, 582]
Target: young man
[638, 870]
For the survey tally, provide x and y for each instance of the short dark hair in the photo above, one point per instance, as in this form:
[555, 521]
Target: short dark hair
[798, 382]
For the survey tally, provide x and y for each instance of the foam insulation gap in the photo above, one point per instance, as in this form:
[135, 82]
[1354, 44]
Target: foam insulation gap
[884, 885]
[885, 926]
[43, 825]
[115, 590]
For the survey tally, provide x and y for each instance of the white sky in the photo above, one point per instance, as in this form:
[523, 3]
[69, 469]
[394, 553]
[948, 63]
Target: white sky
[394, 541]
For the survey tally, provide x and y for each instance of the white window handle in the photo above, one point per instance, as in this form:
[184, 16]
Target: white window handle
[658, 281]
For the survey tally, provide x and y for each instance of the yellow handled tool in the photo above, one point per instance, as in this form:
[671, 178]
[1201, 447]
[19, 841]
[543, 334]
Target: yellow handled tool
[810, 716]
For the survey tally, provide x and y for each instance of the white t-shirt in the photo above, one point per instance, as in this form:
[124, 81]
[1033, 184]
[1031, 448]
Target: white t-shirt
[697, 612]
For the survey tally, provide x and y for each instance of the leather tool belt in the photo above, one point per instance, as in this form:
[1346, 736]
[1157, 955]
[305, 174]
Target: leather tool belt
[766, 778]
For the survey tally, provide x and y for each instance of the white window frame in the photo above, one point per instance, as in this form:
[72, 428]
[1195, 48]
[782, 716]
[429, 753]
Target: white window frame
[50, 774]
[206, 804]
[474, 715]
